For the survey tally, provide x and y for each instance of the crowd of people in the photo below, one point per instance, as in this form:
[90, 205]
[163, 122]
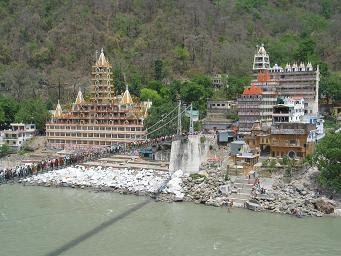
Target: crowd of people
[34, 168]
[50, 164]
[149, 142]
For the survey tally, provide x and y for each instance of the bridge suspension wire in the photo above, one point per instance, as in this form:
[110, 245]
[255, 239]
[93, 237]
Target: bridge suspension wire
[163, 118]
[176, 117]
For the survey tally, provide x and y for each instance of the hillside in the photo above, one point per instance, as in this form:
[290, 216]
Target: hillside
[47, 46]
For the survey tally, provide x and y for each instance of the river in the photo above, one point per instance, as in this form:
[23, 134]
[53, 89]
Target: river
[63, 221]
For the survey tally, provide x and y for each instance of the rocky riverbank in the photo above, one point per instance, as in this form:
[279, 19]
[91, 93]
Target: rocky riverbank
[294, 199]
[121, 180]
[211, 189]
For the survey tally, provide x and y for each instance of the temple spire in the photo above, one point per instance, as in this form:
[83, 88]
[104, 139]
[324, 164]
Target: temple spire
[102, 61]
[267, 76]
[80, 98]
[58, 112]
[260, 76]
[126, 99]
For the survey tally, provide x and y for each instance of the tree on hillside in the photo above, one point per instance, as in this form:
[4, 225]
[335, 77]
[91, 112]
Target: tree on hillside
[236, 86]
[150, 94]
[158, 70]
[4, 150]
[2, 115]
[119, 84]
[330, 88]
[33, 111]
[9, 108]
[327, 157]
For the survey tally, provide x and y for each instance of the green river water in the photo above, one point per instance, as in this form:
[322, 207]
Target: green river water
[43, 221]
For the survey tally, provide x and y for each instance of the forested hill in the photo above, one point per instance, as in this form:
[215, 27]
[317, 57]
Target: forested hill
[45, 43]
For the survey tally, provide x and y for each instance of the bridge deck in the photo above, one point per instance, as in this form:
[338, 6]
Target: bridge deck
[129, 162]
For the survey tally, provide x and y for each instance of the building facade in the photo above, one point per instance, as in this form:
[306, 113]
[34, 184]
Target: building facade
[291, 139]
[18, 135]
[255, 104]
[218, 115]
[291, 110]
[105, 120]
[219, 80]
[293, 80]
[282, 139]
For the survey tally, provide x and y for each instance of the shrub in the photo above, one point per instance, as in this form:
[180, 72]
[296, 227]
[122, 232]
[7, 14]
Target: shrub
[4, 150]
[285, 160]
[202, 139]
[196, 176]
[265, 163]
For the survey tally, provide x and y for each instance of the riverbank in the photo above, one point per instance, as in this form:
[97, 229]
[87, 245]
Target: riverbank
[210, 189]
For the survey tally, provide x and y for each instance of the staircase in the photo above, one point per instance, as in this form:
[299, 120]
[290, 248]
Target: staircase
[241, 191]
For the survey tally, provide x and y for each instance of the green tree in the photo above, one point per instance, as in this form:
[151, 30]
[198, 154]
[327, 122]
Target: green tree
[2, 115]
[9, 108]
[149, 94]
[326, 8]
[182, 55]
[33, 111]
[327, 157]
[4, 150]
[197, 94]
[158, 65]
[119, 84]
[155, 85]
[305, 50]
[157, 113]
[330, 87]
[236, 86]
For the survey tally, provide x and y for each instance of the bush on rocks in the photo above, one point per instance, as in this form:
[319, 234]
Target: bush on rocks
[196, 176]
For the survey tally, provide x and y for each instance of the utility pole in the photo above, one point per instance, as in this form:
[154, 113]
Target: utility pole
[179, 118]
[191, 127]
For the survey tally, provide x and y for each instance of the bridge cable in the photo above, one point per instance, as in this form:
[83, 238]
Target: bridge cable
[166, 123]
[162, 119]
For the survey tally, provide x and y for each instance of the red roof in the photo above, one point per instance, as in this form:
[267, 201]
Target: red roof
[263, 78]
[260, 76]
[254, 90]
[267, 76]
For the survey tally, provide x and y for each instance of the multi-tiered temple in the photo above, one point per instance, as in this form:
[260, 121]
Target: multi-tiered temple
[293, 80]
[105, 120]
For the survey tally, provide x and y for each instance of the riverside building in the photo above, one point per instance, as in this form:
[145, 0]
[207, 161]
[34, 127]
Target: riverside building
[289, 110]
[17, 135]
[104, 120]
[255, 104]
[293, 80]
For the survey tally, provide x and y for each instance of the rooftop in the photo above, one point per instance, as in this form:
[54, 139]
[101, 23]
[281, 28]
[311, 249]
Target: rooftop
[252, 90]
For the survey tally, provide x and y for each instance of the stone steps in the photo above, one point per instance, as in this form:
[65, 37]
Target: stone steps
[243, 187]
